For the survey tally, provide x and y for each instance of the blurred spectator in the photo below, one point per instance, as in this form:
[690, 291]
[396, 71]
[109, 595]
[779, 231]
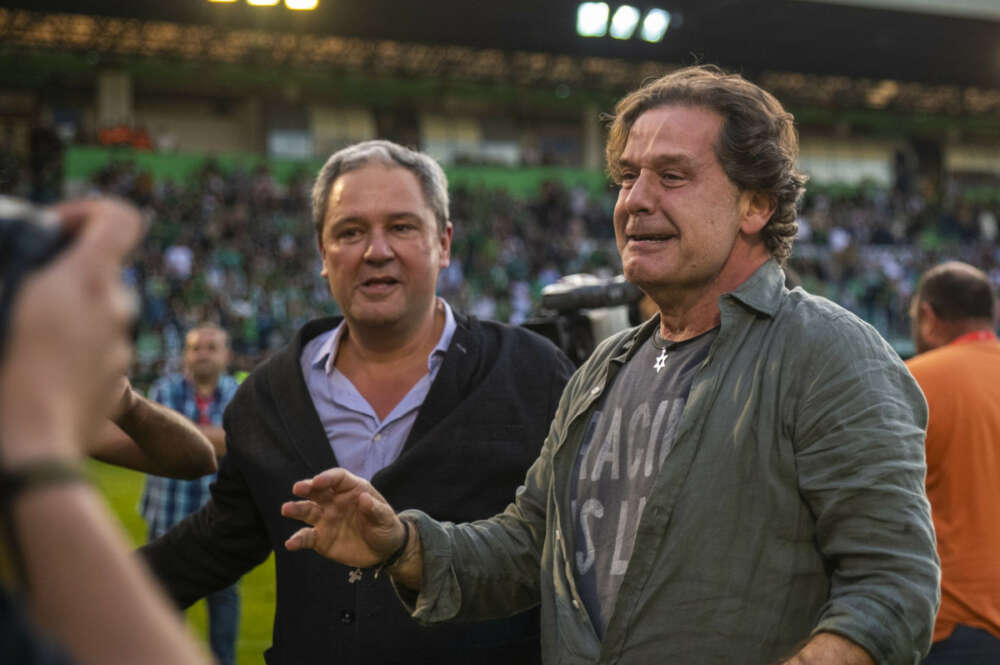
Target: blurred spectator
[45, 164]
[202, 392]
[954, 314]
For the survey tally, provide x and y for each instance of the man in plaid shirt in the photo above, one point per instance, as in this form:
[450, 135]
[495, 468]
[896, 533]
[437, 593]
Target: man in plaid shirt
[201, 393]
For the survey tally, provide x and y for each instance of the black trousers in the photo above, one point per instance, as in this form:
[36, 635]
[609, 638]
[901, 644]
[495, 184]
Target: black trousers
[965, 646]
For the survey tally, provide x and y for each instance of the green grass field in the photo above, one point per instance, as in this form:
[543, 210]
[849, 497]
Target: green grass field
[122, 489]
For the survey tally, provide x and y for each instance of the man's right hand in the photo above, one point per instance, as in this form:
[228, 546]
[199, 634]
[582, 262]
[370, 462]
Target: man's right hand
[349, 520]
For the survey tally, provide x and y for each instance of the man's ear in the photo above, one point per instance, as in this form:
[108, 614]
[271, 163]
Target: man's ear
[322, 253]
[932, 327]
[927, 316]
[445, 247]
[756, 210]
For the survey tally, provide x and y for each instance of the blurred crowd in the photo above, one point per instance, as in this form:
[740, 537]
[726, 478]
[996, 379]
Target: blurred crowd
[233, 248]
[238, 248]
[866, 250]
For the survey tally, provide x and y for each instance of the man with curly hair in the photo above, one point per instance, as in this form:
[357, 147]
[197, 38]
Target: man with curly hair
[738, 480]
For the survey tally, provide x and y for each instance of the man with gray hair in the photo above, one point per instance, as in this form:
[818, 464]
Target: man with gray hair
[440, 411]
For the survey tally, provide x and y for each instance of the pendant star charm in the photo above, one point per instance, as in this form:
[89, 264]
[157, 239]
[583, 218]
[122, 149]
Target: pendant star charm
[661, 361]
[354, 576]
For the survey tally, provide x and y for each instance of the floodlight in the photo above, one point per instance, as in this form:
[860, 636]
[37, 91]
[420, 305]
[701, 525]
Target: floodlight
[655, 25]
[263, 3]
[592, 19]
[301, 4]
[624, 22]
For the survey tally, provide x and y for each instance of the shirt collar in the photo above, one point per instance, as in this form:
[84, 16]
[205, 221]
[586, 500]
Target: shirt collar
[192, 388]
[974, 336]
[327, 352]
[436, 356]
[763, 290]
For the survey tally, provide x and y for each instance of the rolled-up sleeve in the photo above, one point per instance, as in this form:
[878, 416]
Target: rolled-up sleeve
[859, 438]
[490, 568]
[485, 569]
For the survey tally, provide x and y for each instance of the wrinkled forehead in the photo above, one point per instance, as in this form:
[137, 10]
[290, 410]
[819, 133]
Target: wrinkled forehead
[375, 189]
[674, 127]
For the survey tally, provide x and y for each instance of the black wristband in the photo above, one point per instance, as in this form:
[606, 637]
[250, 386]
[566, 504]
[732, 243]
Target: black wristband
[33, 475]
[397, 555]
[41, 473]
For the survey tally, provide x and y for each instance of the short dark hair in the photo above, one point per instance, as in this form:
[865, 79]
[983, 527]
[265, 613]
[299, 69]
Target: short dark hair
[208, 325]
[757, 146]
[957, 291]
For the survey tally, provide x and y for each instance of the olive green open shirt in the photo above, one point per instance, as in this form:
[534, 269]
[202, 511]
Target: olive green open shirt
[792, 502]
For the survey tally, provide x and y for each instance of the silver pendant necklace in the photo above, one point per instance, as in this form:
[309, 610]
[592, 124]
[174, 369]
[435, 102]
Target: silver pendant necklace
[661, 361]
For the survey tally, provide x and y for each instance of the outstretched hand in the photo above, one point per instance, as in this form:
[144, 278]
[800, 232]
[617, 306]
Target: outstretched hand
[349, 521]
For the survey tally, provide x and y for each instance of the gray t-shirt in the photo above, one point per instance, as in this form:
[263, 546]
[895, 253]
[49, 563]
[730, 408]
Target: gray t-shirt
[626, 443]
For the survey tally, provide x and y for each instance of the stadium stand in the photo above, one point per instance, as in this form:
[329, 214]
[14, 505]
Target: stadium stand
[229, 246]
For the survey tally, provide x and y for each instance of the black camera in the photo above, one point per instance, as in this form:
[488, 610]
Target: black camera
[29, 238]
[581, 310]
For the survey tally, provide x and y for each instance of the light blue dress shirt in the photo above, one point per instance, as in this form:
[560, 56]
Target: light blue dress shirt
[362, 443]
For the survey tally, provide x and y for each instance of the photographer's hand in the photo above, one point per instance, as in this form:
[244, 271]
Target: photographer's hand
[68, 339]
[67, 345]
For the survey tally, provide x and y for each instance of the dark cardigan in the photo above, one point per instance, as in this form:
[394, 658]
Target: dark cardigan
[477, 432]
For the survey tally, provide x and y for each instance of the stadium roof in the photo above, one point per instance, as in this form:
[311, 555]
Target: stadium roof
[985, 9]
[827, 38]
[855, 38]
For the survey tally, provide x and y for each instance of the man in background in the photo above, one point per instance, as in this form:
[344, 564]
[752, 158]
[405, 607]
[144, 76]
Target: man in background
[958, 368]
[201, 394]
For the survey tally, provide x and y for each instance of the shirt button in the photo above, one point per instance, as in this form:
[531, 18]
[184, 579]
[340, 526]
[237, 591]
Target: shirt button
[576, 604]
[558, 535]
[595, 390]
[377, 437]
[347, 617]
